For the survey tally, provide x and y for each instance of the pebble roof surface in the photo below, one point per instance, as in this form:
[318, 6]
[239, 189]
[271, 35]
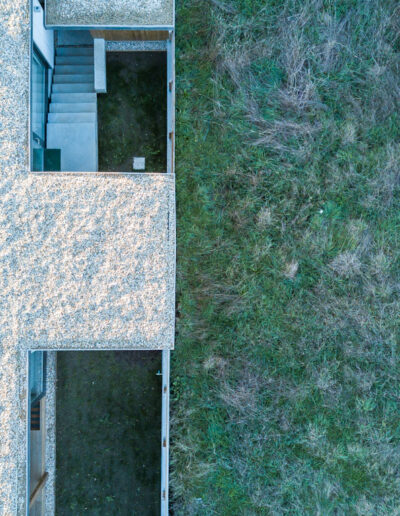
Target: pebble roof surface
[121, 13]
[86, 262]
[91, 260]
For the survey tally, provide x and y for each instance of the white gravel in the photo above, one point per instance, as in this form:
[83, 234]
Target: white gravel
[121, 13]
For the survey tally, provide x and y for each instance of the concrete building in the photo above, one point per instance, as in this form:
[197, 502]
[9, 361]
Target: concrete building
[87, 257]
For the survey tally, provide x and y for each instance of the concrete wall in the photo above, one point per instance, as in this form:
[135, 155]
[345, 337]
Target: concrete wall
[50, 445]
[100, 72]
[42, 37]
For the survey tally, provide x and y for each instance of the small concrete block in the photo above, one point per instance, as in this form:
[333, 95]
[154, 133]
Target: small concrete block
[139, 163]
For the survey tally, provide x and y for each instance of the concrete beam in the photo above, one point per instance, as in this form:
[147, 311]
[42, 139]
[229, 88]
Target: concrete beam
[100, 74]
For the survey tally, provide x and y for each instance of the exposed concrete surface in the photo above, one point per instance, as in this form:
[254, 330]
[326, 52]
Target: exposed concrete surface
[50, 448]
[74, 37]
[85, 261]
[121, 13]
[44, 39]
[100, 72]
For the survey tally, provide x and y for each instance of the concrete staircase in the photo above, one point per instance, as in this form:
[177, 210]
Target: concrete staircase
[72, 118]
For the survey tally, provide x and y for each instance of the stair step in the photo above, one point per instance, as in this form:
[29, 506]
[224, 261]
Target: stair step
[74, 97]
[74, 51]
[78, 144]
[75, 69]
[73, 88]
[68, 37]
[73, 107]
[62, 118]
[73, 78]
[74, 60]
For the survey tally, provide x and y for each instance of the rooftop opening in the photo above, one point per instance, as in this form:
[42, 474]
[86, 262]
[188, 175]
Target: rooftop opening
[37, 472]
[132, 116]
[100, 99]
[108, 432]
[97, 432]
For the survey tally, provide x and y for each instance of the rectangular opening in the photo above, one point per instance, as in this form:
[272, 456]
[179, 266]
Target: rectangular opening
[98, 432]
[37, 471]
[132, 115]
[101, 100]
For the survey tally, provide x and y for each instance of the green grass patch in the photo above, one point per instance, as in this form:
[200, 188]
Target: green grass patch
[286, 370]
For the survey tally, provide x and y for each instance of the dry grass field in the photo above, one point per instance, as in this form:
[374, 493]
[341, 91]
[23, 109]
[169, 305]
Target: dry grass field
[286, 393]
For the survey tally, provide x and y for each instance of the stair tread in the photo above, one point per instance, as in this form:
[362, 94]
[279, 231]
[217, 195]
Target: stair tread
[74, 37]
[74, 97]
[73, 88]
[73, 107]
[71, 117]
[74, 60]
[62, 69]
[74, 51]
[73, 78]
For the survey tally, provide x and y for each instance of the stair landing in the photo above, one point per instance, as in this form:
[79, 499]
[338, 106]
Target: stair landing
[72, 118]
[78, 144]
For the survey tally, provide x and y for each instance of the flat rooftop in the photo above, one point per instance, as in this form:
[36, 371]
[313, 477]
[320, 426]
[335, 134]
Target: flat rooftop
[87, 261]
[119, 13]
[95, 267]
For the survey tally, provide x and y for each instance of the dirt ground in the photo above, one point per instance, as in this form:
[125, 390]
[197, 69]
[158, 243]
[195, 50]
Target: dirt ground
[132, 114]
[108, 433]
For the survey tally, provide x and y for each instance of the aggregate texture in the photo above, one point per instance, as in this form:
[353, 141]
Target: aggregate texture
[136, 46]
[90, 260]
[86, 261]
[50, 447]
[118, 13]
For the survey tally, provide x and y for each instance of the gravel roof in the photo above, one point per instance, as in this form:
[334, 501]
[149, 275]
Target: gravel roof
[110, 12]
[86, 262]
[93, 259]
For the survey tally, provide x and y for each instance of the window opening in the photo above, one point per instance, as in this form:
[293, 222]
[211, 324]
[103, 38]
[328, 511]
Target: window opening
[36, 432]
